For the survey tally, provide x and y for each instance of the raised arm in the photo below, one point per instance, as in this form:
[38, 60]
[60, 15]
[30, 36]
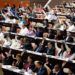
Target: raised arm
[57, 48]
[67, 47]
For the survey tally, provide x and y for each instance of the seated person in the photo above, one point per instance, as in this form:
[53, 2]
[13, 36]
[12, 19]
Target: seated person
[59, 51]
[50, 49]
[18, 62]
[18, 30]
[31, 31]
[24, 30]
[29, 64]
[39, 32]
[7, 41]
[15, 43]
[68, 53]
[4, 29]
[69, 37]
[45, 35]
[48, 66]
[60, 24]
[22, 42]
[50, 25]
[34, 46]
[57, 70]
[8, 58]
[41, 46]
[41, 69]
[51, 34]
[59, 35]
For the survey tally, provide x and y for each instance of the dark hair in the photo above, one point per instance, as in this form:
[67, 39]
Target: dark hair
[30, 56]
[18, 55]
[40, 63]
[59, 66]
[50, 43]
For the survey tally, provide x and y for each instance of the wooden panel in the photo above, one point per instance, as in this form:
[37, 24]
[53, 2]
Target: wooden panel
[28, 2]
[42, 2]
[16, 2]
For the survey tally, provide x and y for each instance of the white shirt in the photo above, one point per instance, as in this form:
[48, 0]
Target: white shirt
[31, 33]
[6, 43]
[20, 24]
[15, 44]
[24, 31]
[1, 35]
[50, 16]
[71, 28]
[61, 27]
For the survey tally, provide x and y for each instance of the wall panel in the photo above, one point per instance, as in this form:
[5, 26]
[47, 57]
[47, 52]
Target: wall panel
[27, 2]
[16, 2]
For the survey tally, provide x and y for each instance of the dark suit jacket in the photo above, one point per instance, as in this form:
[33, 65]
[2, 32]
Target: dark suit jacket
[42, 71]
[49, 51]
[8, 60]
[70, 39]
[59, 73]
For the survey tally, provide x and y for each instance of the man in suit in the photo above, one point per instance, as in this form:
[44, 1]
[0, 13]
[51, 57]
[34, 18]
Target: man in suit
[41, 69]
[57, 70]
[49, 49]
[69, 37]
